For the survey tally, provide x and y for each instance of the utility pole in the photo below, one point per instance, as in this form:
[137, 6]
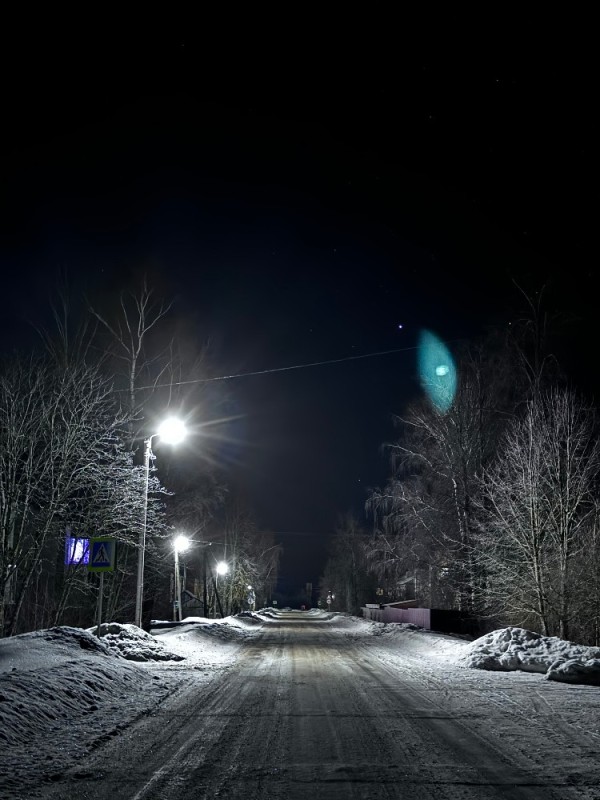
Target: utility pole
[205, 588]
[217, 595]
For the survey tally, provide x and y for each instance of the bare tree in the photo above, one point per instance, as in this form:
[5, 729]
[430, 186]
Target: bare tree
[407, 551]
[536, 367]
[347, 570]
[537, 504]
[129, 329]
[586, 583]
[251, 554]
[63, 464]
[425, 516]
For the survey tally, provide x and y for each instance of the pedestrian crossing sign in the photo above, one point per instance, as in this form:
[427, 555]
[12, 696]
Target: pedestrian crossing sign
[102, 555]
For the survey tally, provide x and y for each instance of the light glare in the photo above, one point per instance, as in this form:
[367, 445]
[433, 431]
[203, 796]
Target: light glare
[437, 371]
[172, 431]
[222, 568]
[181, 543]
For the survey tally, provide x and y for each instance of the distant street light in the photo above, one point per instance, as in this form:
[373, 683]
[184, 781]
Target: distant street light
[222, 568]
[172, 431]
[251, 598]
[180, 545]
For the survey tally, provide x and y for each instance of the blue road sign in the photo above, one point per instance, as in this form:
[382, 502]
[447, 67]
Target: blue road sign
[102, 555]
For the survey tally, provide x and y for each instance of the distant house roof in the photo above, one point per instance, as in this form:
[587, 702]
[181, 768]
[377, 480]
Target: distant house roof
[402, 604]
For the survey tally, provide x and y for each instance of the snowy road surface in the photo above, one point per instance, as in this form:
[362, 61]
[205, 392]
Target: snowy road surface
[311, 707]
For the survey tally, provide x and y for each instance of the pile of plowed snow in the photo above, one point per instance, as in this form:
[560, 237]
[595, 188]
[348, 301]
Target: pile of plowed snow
[133, 643]
[51, 677]
[519, 649]
[229, 629]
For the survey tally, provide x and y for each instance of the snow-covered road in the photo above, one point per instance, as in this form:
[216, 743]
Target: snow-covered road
[312, 706]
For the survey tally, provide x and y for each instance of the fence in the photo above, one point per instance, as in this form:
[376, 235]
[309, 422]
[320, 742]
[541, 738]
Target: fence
[417, 616]
[432, 619]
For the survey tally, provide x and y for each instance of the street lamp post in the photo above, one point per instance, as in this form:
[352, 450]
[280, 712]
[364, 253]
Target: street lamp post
[222, 568]
[172, 431]
[180, 545]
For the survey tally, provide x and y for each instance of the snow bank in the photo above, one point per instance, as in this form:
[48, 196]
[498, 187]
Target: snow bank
[63, 691]
[247, 618]
[574, 671]
[66, 673]
[272, 613]
[132, 643]
[60, 683]
[229, 629]
[510, 649]
[207, 644]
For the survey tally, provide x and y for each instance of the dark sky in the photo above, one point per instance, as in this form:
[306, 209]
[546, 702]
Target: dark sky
[300, 209]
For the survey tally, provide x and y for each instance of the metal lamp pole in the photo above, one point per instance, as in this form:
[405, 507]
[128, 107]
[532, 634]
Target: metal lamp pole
[177, 585]
[172, 430]
[142, 543]
[180, 544]
[221, 569]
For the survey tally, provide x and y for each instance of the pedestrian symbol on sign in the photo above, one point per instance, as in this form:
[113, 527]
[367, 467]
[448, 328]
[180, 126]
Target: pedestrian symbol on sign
[102, 555]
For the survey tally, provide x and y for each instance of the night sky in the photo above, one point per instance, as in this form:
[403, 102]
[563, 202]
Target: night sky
[304, 210]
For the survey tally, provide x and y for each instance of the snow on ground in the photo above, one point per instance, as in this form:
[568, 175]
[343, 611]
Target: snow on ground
[506, 649]
[133, 643]
[510, 649]
[64, 691]
[408, 638]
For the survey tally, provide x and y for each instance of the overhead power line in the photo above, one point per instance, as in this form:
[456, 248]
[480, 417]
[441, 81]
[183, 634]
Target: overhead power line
[279, 369]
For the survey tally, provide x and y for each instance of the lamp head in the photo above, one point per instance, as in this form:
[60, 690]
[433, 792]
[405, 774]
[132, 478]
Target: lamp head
[181, 543]
[172, 430]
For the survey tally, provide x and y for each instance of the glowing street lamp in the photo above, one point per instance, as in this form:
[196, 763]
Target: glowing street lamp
[251, 597]
[222, 568]
[172, 431]
[180, 544]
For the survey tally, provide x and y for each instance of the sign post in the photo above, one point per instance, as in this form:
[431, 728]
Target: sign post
[103, 554]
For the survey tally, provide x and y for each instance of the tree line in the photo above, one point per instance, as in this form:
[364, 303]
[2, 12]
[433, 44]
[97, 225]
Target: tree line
[73, 419]
[492, 507]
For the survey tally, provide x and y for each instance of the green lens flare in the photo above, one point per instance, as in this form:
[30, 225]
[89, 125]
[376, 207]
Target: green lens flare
[437, 371]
